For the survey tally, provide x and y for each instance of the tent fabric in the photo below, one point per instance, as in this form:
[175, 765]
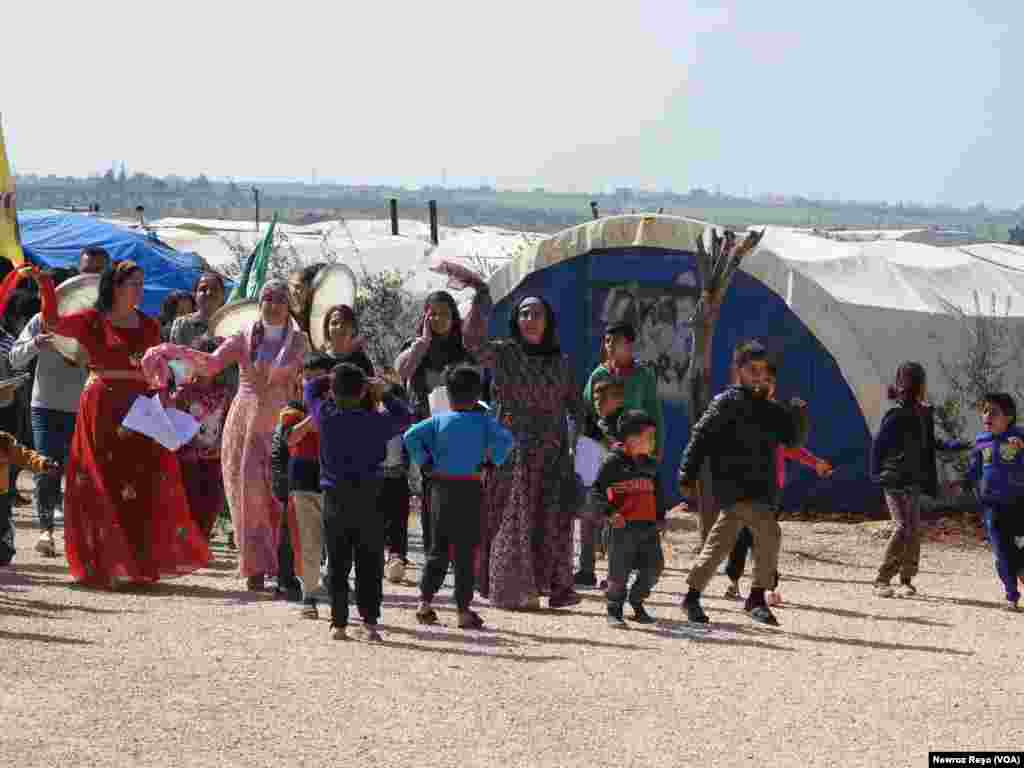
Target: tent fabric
[56, 239]
[843, 314]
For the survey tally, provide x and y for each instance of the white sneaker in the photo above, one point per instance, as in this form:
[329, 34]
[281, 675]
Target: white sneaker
[45, 545]
[906, 590]
[58, 514]
[883, 590]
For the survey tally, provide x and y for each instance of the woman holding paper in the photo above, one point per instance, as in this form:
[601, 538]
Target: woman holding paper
[126, 517]
[269, 355]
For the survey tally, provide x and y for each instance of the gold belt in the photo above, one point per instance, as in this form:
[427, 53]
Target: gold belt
[114, 375]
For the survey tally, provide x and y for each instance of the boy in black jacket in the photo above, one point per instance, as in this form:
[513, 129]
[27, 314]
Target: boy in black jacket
[739, 433]
[626, 491]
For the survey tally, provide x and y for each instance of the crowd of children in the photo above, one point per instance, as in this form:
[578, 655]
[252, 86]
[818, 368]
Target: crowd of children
[348, 500]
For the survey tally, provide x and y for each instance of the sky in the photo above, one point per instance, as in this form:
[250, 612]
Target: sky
[902, 100]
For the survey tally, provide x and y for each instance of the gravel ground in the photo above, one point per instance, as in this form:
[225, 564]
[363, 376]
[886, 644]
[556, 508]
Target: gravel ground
[198, 672]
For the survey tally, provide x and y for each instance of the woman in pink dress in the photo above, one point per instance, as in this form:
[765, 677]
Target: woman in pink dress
[269, 356]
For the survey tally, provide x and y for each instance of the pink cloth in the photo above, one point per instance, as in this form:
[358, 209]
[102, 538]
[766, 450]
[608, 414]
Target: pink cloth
[264, 388]
[801, 455]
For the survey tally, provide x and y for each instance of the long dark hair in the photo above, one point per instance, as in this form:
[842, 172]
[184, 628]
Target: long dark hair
[209, 276]
[450, 348]
[548, 344]
[112, 276]
[910, 384]
[169, 307]
[348, 316]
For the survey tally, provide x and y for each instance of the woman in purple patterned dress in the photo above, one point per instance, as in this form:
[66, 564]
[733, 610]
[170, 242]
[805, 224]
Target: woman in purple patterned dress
[527, 538]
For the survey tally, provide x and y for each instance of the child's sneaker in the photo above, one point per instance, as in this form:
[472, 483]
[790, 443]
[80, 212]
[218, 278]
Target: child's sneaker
[45, 545]
[368, 633]
[762, 614]
[640, 614]
[906, 590]
[773, 598]
[425, 614]
[470, 620]
[732, 592]
[883, 590]
[339, 633]
[694, 613]
[615, 619]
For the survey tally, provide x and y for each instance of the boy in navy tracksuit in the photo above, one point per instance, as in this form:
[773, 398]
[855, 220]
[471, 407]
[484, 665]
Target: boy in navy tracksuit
[627, 492]
[353, 444]
[454, 445]
[996, 472]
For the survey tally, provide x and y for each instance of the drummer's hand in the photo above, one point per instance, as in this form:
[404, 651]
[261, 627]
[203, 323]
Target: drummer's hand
[123, 433]
[377, 387]
[44, 341]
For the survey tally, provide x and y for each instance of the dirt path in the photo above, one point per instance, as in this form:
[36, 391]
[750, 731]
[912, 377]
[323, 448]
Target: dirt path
[197, 672]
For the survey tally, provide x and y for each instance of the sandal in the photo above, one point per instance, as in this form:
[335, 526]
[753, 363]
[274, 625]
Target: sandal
[470, 620]
[426, 616]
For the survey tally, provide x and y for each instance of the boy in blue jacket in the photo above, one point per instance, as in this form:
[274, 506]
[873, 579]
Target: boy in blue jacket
[353, 445]
[454, 445]
[996, 472]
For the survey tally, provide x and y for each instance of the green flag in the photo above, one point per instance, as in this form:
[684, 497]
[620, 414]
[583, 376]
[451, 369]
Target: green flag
[254, 274]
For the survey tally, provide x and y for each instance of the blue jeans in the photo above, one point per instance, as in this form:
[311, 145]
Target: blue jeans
[1002, 528]
[51, 432]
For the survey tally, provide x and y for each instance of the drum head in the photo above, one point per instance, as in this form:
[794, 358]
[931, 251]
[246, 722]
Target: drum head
[75, 295]
[334, 284]
[234, 317]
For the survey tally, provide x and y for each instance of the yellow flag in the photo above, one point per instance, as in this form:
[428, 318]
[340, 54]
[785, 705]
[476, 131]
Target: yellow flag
[10, 243]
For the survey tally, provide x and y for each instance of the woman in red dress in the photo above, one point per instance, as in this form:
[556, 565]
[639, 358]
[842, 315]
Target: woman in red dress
[126, 516]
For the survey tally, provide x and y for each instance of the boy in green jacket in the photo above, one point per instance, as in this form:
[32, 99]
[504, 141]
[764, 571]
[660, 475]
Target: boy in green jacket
[640, 382]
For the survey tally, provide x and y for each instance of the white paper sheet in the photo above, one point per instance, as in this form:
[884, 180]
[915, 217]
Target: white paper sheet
[589, 455]
[171, 428]
[439, 401]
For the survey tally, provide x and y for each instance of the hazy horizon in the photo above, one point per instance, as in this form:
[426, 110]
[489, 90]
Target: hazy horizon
[895, 102]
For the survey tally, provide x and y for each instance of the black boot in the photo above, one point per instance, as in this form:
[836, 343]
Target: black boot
[640, 614]
[691, 604]
[758, 608]
[615, 617]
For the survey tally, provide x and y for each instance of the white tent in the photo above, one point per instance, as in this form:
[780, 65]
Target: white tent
[871, 305]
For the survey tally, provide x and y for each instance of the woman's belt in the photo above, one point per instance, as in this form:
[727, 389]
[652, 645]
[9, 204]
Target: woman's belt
[128, 374]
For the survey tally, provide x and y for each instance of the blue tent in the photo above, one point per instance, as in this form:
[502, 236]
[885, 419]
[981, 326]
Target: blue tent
[643, 270]
[56, 239]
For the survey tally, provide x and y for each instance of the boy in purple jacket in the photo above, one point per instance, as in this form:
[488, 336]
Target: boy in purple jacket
[353, 445]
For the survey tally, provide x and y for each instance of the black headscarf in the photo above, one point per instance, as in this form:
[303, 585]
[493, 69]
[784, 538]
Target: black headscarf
[548, 345]
[444, 350]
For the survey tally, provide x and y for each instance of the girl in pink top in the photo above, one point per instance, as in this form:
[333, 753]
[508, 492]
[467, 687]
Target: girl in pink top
[738, 559]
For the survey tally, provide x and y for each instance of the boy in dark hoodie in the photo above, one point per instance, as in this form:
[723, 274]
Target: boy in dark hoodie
[353, 445]
[627, 493]
[740, 433]
[996, 472]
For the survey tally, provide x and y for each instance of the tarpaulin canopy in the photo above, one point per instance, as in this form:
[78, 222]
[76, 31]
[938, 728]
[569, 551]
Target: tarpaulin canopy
[56, 239]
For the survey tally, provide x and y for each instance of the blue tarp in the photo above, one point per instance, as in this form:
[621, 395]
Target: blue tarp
[657, 289]
[56, 239]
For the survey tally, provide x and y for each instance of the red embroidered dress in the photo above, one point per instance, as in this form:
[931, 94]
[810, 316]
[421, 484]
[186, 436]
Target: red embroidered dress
[126, 514]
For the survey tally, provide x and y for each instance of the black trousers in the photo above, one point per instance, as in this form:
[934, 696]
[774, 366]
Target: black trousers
[634, 547]
[455, 523]
[286, 578]
[355, 534]
[394, 506]
[6, 528]
[426, 518]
